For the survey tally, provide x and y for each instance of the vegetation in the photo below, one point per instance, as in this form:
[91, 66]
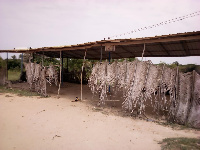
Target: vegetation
[14, 63]
[180, 144]
[2, 62]
[17, 91]
[182, 68]
[74, 66]
[14, 75]
[175, 126]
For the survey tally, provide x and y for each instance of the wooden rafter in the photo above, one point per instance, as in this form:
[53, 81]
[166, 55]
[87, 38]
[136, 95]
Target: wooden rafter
[185, 47]
[133, 54]
[164, 49]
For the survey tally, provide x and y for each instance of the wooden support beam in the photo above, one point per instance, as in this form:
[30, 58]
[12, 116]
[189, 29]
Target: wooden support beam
[164, 49]
[101, 53]
[21, 64]
[7, 66]
[146, 50]
[185, 47]
[82, 75]
[126, 50]
[67, 55]
[62, 69]
[60, 76]
[116, 54]
[91, 55]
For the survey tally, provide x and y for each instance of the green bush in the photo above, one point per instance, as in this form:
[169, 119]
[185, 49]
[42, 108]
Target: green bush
[2, 63]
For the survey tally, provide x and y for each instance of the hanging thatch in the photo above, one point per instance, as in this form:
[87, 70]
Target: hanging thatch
[37, 77]
[142, 81]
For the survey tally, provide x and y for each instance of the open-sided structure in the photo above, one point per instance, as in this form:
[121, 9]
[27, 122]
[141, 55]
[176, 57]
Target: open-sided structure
[174, 45]
[140, 80]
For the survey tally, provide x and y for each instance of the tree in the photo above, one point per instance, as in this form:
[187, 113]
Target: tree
[14, 64]
[2, 62]
[13, 57]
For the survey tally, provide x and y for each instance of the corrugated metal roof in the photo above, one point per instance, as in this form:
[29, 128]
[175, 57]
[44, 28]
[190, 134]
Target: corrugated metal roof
[173, 45]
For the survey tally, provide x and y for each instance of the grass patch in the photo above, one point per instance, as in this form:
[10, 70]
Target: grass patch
[13, 75]
[176, 126]
[181, 143]
[17, 91]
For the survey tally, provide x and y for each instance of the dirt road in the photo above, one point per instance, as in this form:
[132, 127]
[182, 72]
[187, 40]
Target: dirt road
[30, 123]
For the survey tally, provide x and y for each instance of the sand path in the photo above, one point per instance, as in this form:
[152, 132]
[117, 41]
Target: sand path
[34, 123]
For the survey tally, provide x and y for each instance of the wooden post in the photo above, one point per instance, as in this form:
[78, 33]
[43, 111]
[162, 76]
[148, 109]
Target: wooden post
[82, 76]
[60, 76]
[42, 58]
[101, 55]
[82, 84]
[67, 65]
[109, 63]
[21, 64]
[33, 57]
[62, 70]
[7, 66]
[143, 52]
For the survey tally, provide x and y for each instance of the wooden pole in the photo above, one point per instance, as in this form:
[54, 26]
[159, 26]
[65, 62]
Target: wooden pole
[82, 76]
[60, 76]
[7, 66]
[33, 57]
[62, 70]
[143, 52]
[42, 58]
[82, 85]
[101, 55]
[67, 65]
[109, 63]
[21, 64]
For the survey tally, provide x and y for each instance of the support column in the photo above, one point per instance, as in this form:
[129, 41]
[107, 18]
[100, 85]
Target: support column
[7, 66]
[67, 65]
[42, 58]
[33, 57]
[60, 76]
[62, 69]
[143, 52]
[21, 64]
[101, 55]
[109, 63]
[82, 76]
[109, 57]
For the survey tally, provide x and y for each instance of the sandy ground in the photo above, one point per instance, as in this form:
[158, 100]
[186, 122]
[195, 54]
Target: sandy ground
[34, 123]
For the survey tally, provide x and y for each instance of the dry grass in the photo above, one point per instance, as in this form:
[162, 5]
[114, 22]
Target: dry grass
[17, 91]
[181, 143]
[13, 75]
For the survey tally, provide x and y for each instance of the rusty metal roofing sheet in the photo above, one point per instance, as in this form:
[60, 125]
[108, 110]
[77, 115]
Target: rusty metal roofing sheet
[173, 45]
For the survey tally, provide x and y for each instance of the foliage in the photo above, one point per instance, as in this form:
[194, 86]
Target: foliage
[75, 68]
[182, 68]
[14, 75]
[18, 92]
[128, 59]
[181, 143]
[2, 62]
[73, 64]
[14, 64]
[38, 59]
[187, 68]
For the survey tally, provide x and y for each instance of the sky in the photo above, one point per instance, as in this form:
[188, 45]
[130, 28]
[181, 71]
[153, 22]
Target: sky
[43, 23]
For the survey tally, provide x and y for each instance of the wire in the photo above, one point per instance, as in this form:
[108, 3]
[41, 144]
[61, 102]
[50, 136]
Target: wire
[159, 24]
